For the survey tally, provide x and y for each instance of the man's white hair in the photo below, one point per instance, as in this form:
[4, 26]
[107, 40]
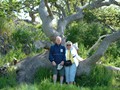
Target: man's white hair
[58, 37]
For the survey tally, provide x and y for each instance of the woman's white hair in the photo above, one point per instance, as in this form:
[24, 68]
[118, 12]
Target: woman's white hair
[69, 42]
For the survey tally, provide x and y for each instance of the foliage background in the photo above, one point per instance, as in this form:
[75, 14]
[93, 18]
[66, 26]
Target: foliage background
[17, 37]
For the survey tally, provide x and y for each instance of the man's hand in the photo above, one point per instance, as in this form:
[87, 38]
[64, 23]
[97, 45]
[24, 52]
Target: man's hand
[53, 63]
[62, 63]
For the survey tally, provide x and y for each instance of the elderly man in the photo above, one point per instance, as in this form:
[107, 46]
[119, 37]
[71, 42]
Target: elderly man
[57, 58]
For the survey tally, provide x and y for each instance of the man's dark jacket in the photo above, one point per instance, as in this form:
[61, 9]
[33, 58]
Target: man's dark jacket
[57, 53]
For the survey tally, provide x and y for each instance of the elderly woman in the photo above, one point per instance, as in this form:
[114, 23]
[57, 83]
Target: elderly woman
[70, 70]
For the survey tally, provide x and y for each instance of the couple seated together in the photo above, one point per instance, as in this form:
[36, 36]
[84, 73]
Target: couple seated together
[65, 60]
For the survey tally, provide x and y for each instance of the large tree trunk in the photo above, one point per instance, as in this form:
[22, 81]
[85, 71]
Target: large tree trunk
[27, 68]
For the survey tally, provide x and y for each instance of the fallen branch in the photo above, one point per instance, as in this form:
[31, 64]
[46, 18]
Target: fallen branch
[42, 44]
[96, 44]
[113, 68]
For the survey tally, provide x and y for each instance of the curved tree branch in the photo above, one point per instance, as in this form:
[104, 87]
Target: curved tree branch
[48, 8]
[46, 21]
[42, 44]
[96, 44]
[62, 23]
[61, 9]
[99, 3]
[32, 15]
[77, 16]
[68, 5]
[103, 47]
[113, 68]
[111, 28]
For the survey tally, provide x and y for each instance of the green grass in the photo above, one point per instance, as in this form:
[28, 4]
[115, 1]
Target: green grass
[8, 58]
[8, 80]
[44, 85]
[42, 74]
[47, 85]
[99, 79]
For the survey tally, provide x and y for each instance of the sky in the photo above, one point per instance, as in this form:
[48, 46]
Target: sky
[24, 15]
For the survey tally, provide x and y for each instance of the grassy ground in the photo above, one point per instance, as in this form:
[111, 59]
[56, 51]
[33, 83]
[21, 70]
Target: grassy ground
[47, 85]
[99, 79]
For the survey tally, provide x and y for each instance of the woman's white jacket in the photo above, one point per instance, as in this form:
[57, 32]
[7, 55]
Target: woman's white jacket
[75, 55]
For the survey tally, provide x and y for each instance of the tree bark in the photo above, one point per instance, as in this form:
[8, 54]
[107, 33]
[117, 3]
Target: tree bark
[28, 67]
[103, 47]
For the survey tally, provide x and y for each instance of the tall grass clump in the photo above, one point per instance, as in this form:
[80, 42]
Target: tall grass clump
[8, 79]
[82, 51]
[117, 78]
[99, 76]
[9, 57]
[47, 85]
[25, 35]
[41, 74]
[44, 85]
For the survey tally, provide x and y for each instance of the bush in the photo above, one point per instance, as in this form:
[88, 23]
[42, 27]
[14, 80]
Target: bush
[99, 76]
[25, 35]
[8, 58]
[8, 80]
[85, 33]
[42, 74]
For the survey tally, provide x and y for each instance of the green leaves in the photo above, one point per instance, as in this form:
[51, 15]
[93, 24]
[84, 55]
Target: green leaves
[108, 16]
[53, 1]
[99, 76]
[85, 33]
[22, 36]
